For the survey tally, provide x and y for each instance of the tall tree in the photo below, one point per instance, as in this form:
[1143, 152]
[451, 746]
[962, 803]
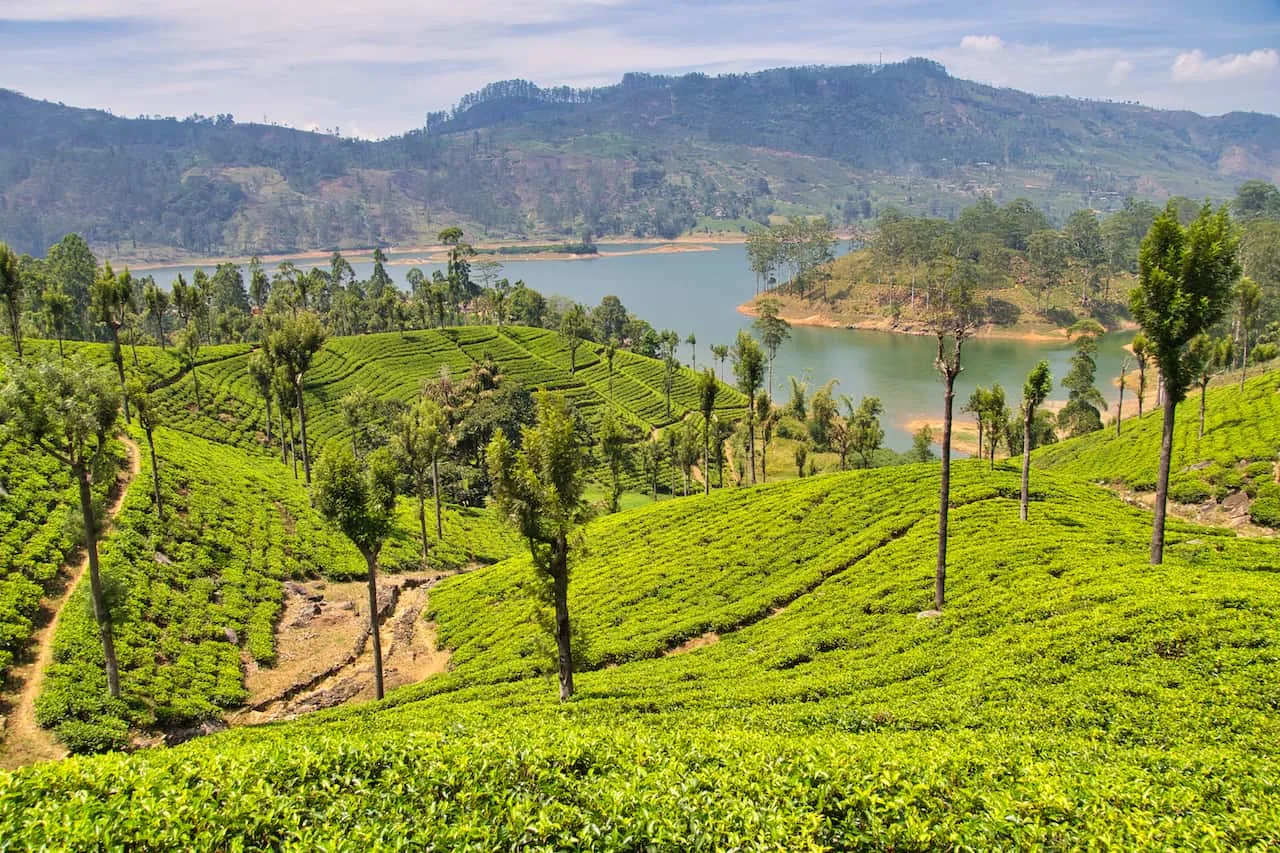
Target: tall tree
[261, 369]
[58, 306]
[421, 437]
[574, 327]
[977, 405]
[1047, 253]
[360, 500]
[1083, 236]
[540, 487]
[1123, 383]
[112, 300]
[294, 345]
[12, 295]
[1034, 392]
[1142, 355]
[1082, 413]
[952, 319]
[773, 330]
[668, 344]
[692, 341]
[748, 369]
[148, 418]
[997, 423]
[866, 433]
[720, 352]
[157, 302]
[708, 388]
[189, 354]
[67, 409]
[1208, 356]
[1184, 288]
[1249, 304]
[613, 441]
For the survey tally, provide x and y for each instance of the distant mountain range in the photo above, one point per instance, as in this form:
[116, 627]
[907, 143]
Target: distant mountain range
[650, 156]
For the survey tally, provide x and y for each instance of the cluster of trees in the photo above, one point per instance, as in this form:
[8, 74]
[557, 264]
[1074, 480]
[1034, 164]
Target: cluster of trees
[1189, 281]
[792, 253]
[1068, 272]
[68, 295]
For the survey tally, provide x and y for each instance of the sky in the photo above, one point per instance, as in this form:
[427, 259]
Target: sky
[374, 68]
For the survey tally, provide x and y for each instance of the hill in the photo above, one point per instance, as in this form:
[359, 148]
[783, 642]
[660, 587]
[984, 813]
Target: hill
[650, 156]
[245, 526]
[1070, 695]
[1232, 470]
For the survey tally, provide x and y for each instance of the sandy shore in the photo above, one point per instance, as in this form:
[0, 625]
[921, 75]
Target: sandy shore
[886, 324]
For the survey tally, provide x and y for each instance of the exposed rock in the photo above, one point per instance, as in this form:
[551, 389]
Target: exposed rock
[208, 727]
[232, 637]
[1236, 503]
[163, 559]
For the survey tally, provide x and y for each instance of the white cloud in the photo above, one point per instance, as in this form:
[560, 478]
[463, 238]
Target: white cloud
[982, 44]
[1195, 66]
[1120, 71]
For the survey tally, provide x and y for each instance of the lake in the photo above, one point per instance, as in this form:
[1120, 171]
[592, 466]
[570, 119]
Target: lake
[699, 292]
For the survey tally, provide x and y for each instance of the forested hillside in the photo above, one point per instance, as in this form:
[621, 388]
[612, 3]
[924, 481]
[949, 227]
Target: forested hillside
[649, 156]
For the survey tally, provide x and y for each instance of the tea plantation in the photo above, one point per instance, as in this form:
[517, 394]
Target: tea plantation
[755, 669]
[394, 365]
[1070, 695]
[1238, 452]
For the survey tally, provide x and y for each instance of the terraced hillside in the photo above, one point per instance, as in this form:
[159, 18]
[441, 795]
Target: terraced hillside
[1239, 454]
[37, 531]
[1069, 695]
[394, 365]
[200, 596]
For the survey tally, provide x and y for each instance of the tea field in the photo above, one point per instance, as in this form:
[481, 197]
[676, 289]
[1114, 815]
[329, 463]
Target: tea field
[1070, 695]
[1240, 449]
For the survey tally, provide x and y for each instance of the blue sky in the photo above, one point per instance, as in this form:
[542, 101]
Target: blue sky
[373, 68]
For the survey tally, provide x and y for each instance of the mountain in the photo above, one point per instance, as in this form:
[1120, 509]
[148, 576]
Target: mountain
[650, 156]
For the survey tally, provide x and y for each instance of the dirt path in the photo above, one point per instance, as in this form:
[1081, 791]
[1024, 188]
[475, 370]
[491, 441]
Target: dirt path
[24, 741]
[324, 657]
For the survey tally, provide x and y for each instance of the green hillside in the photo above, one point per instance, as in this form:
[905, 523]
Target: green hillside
[650, 156]
[1240, 450]
[1070, 695]
[394, 365]
[244, 523]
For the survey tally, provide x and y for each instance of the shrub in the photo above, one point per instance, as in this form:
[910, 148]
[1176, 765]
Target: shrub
[1266, 507]
[1264, 352]
[1189, 491]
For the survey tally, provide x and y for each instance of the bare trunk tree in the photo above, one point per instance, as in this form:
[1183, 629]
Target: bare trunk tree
[1162, 482]
[940, 573]
[560, 591]
[371, 559]
[1027, 416]
[100, 612]
[302, 425]
[435, 490]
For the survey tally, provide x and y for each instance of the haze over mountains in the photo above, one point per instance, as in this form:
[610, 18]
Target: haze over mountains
[649, 157]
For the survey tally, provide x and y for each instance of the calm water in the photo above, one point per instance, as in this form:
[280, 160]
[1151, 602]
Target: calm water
[698, 292]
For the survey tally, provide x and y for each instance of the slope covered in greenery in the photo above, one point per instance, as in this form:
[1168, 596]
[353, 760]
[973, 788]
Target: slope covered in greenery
[1240, 449]
[1069, 695]
[196, 595]
[393, 366]
[650, 156]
